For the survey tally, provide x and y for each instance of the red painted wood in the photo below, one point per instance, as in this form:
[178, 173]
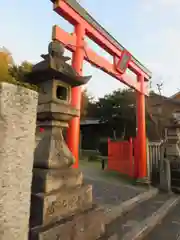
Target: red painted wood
[74, 129]
[123, 150]
[63, 9]
[94, 58]
[120, 157]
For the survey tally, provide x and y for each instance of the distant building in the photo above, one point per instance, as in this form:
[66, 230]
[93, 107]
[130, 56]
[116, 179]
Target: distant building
[176, 96]
[92, 132]
[161, 109]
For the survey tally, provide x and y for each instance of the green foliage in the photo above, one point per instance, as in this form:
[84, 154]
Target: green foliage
[118, 110]
[118, 105]
[151, 93]
[19, 72]
[5, 62]
[14, 74]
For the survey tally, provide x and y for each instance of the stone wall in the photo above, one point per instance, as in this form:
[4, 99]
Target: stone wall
[18, 107]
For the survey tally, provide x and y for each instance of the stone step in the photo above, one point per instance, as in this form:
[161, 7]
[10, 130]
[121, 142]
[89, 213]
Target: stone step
[168, 228]
[146, 226]
[47, 180]
[87, 225]
[137, 222]
[47, 208]
[126, 206]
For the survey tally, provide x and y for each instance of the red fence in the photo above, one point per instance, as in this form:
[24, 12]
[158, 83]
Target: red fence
[120, 157]
[136, 157]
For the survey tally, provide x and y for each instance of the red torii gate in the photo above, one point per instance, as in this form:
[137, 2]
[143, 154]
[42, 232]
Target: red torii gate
[85, 25]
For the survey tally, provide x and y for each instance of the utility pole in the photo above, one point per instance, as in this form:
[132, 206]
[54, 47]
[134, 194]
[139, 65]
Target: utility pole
[159, 86]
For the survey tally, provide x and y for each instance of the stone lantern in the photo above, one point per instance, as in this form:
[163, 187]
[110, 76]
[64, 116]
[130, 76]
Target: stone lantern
[172, 137]
[61, 205]
[170, 160]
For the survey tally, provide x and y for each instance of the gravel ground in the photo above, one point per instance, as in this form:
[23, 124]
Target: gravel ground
[109, 192]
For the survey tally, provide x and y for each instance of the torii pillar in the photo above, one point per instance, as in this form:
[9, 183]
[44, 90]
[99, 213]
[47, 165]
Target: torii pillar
[141, 161]
[73, 133]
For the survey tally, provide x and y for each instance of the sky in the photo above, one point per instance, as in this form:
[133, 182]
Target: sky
[149, 29]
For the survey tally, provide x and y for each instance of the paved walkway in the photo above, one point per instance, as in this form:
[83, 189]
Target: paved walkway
[108, 191]
[169, 227]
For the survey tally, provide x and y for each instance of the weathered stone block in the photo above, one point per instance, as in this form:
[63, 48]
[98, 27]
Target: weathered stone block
[47, 180]
[49, 91]
[165, 175]
[89, 226]
[17, 139]
[48, 208]
[55, 110]
[84, 226]
[51, 151]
